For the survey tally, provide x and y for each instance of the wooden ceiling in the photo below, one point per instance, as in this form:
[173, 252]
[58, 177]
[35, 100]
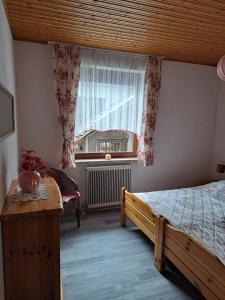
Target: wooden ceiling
[182, 30]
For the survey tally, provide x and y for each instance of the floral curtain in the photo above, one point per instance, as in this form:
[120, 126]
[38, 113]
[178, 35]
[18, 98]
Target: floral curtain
[151, 93]
[66, 68]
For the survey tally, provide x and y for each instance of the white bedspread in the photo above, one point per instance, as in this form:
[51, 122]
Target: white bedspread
[199, 211]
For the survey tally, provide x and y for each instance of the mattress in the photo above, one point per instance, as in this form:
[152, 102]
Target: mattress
[198, 211]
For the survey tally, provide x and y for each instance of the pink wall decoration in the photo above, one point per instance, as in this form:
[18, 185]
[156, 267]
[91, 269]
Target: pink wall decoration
[221, 68]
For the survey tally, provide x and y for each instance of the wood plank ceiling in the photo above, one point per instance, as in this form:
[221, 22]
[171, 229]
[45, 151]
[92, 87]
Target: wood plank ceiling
[190, 31]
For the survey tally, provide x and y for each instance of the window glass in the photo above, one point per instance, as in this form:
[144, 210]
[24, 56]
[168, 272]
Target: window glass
[105, 141]
[110, 101]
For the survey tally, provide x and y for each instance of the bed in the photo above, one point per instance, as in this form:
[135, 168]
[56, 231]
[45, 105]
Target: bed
[187, 226]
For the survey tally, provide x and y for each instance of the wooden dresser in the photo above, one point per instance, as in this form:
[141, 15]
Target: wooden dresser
[31, 246]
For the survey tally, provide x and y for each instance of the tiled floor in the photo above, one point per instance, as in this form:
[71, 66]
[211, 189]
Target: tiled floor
[103, 261]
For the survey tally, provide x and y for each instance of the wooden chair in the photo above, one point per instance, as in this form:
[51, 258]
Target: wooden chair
[70, 193]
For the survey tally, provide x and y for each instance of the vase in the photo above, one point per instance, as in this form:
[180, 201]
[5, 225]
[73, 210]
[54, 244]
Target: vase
[29, 181]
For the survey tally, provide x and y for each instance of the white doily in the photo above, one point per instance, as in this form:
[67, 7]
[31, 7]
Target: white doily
[42, 194]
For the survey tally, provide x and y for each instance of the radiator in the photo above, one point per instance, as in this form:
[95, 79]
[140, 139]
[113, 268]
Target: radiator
[104, 184]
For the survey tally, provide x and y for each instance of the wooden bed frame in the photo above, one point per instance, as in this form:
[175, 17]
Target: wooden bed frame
[202, 268]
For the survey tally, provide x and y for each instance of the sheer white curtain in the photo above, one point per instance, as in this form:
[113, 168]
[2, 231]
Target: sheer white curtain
[111, 91]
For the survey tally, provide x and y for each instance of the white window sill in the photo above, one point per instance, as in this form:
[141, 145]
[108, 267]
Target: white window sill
[100, 160]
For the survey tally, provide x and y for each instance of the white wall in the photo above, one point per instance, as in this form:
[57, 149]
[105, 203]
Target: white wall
[219, 139]
[185, 128]
[8, 147]
[185, 125]
[38, 124]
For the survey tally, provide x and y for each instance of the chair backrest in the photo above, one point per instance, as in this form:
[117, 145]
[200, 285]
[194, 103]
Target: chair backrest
[65, 183]
[58, 176]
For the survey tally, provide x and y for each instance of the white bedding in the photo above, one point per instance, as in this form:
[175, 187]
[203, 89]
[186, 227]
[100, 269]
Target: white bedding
[199, 211]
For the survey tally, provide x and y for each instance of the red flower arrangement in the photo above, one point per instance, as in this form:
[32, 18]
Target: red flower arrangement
[30, 162]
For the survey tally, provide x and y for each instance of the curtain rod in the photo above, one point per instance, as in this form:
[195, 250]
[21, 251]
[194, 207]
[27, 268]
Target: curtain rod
[135, 54]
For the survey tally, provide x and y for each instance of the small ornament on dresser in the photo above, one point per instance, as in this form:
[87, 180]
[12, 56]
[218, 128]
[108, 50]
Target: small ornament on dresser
[31, 169]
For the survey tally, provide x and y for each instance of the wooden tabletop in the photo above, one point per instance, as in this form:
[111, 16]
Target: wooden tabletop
[53, 204]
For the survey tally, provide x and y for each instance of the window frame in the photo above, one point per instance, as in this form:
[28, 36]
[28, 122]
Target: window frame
[101, 155]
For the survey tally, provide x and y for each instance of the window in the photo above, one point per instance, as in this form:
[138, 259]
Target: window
[94, 143]
[110, 103]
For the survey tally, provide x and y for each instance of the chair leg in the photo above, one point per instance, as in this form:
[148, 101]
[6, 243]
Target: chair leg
[78, 216]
